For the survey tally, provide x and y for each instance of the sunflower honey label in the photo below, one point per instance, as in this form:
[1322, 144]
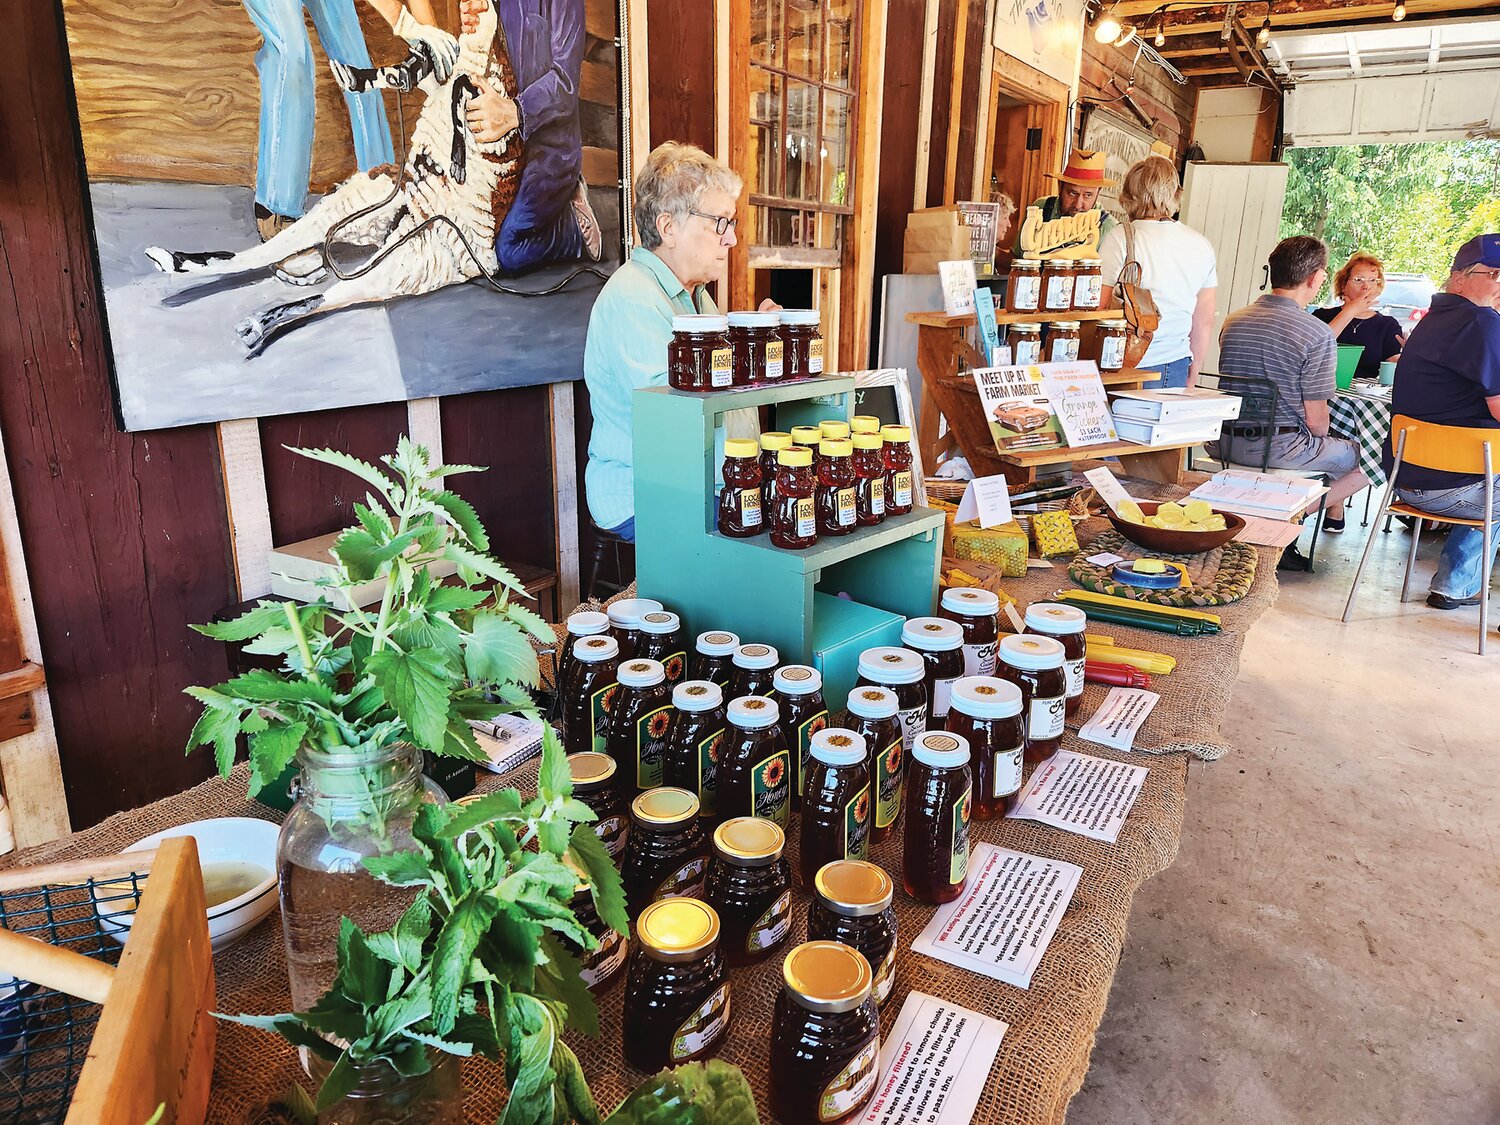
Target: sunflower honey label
[890, 771]
[857, 825]
[815, 356]
[650, 746]
[902, 487]
[604, 962]
[750, 507]
[885, 977]
[807, 518]
[721, 367]
[846, 507]
[708, 771]
[674, 665]
[877, 495]
[771, 926]
[771, 788]
[611, 833]
[686, 882]
[852, 1086]
[775, 365]
[805, 732]
[600, 705]
[958, 867]
[702, 1029]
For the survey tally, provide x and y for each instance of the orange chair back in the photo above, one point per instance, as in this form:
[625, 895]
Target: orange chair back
[1449, 449]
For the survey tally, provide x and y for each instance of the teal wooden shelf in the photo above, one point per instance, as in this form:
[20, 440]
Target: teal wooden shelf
[789, 599]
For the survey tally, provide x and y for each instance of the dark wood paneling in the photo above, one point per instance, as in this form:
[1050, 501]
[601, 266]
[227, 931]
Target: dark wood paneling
[898, 133]
[1169, 106]
[125, 537]
[975, 49]
[942, 96]
[680, 51]
[510, 433]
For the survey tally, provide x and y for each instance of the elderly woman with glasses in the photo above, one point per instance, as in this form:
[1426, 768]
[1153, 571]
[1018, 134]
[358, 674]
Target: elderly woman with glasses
[1359, 285]
[684, 216]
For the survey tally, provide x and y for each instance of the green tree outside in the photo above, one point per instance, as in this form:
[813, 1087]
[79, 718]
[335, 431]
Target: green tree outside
[1411, 205]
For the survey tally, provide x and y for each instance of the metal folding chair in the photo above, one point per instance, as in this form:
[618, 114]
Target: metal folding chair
[1453, 449]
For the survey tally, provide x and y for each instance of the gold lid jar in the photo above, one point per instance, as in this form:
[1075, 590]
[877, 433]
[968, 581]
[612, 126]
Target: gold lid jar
[677, 929]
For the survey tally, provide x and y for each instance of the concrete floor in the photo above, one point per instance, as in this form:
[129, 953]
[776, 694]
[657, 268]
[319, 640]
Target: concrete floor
[1327, 946]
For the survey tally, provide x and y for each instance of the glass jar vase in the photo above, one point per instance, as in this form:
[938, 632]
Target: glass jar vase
[349, 807]
[381, 1096]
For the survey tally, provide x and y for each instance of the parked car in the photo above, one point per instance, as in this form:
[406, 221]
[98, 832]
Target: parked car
[1407, 297]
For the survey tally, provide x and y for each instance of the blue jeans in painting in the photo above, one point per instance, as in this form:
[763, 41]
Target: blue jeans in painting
[285, 62]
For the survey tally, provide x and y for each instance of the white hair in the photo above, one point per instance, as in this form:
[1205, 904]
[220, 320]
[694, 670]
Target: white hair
[672, 182]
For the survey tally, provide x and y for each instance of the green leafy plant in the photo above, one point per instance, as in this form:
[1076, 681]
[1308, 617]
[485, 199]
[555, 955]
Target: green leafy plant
[416, 670]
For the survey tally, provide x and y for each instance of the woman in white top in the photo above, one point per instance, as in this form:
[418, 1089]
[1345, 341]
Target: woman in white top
[1177, 266]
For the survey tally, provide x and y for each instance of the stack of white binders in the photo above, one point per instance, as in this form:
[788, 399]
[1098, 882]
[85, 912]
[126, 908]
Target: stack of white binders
[1173, 416]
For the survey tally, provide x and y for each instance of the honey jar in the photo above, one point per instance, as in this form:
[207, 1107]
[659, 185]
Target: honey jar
[825, 1036]
[1112, 338]
[750, 886]
[699, 356]
[851, 903]
[803, 355]
[758, 350]
[677, 998]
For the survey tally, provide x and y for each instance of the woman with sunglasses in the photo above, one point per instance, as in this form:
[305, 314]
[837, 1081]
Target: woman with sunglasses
[1359, 285]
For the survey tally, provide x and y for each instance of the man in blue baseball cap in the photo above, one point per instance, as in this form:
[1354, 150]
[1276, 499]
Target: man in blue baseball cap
[1449, 373]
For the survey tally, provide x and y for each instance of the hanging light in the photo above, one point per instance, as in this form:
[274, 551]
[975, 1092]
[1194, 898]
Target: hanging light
[1161, 32]
[1109, 27]
[1263, 36]
[1127, 33]
[1399, 13]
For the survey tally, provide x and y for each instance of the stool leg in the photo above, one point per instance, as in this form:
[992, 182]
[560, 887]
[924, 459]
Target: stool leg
[1369, 495]
[601, 544]
[1411, 557]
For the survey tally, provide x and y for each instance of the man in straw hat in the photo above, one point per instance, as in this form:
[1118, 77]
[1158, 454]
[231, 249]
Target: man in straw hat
[1078, 190]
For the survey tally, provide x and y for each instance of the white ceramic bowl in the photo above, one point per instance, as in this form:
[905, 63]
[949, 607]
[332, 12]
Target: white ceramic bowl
[240, 839]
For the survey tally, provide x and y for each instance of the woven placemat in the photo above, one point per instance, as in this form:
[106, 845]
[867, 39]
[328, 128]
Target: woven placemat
[1215, 577]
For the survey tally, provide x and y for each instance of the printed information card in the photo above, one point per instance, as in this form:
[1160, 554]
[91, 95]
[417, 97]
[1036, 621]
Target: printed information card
[1119, 717]
[933, 1064]
[1080, 793]
[1001, 925]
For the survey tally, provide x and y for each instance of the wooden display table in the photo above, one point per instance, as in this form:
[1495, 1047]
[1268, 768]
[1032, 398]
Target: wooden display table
[944, 352]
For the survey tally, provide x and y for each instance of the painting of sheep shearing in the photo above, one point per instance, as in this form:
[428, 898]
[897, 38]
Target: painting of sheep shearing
[306, 204]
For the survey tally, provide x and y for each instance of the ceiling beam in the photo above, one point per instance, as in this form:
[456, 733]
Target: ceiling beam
[1190, 13]
[1184, 40]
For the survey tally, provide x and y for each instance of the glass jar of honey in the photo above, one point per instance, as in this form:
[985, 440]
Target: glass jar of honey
[1023, 294]
[699, 355]
[1066, 625]
[586, 623]
[713, 659]
[1025, 343]
[750, 886]
[756, 340]
[940, 643]
[677, 997]
[740, 498]
[851, 903]
[695, 740]
[754, 670]
[803, 341]
[794, 519]
[755, 771]
[1113, 336]
[987, 713]
[869, 478]
[639, 720]
[1088, 284]
[871, 714]
[590, 694]
[625, 621]
[825, 1036]
[1057, 287]
[600, 784]
[807, 437]
[864, 424]
[668, 853]
[661, 639]
[904, 673]
[977, 612]
[834, 497]
[833, 429]
[798, 690]
[935, 852]
[898, 480]
[836, 805]
[772, 442]
[1062, 341]
[599, 967]
[1035, 665]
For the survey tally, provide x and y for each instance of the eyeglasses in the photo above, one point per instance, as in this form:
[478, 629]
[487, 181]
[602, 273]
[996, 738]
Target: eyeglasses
[722, 223]
[1493, 275]
[1364, 281]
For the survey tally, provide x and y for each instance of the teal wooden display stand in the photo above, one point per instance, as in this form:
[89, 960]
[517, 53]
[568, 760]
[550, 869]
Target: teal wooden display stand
[758, 591]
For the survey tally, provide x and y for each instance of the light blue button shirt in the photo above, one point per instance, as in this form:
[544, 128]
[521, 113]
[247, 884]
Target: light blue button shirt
[629, 330]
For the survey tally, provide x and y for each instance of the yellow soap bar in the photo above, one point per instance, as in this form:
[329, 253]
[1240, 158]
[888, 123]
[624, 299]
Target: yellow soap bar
[1150, 566]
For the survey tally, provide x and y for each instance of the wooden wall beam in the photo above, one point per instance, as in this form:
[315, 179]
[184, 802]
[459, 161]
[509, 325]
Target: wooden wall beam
[856, 283]
[1300, 11]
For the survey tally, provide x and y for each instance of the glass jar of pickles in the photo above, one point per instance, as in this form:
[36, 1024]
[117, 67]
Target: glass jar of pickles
[668, 856]
[825, 1035]
[750, 886]
[699, 356]
[677, 997]
[851, 903]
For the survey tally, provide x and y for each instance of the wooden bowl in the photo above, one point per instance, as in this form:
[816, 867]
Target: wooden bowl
[1172, 541]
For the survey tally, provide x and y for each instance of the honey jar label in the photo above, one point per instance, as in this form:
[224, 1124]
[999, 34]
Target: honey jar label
[708, 771]
[805, 732]
[674, 664]
[1074, 672]
[1046, 718]
[1112, 353]
[702, 1029]
[815, 356]
[685, 882]
[750, 506]
[852, 1086]
[611, 833]
[958, 867]
[772, 926]
[902, 485]
[600, 704]
[1006, 771]
[606, 961]
[721, 367]
[885, 976]
[774, 365]
[913, 723]
[942, 697]
[846, 507]
[651, 746]
[807, 519]
[979, 660]
[771, 788]
[889, 772]
[877, 496]
[857, 825]
[1028, 292]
